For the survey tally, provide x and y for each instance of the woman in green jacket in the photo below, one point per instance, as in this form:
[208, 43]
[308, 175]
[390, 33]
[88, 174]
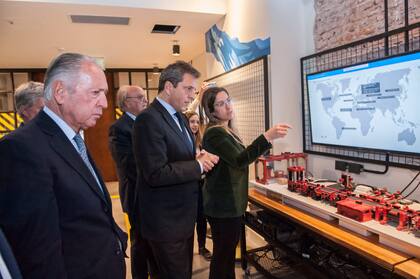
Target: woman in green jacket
[225, 193]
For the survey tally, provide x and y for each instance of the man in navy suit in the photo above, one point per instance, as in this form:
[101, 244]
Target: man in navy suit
[168, 171]
[131, 100]
[54, 207]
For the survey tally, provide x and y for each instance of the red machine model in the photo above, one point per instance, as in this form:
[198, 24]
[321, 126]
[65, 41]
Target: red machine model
[379, 204]
[408, 220]
[328, 193]
[268, 165]
[347, 181]
[355, 210]
[331, 194]
[416, 224]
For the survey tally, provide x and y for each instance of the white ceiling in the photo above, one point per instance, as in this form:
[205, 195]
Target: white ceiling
[33, 32]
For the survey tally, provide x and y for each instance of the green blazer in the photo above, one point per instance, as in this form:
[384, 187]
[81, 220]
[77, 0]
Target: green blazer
[225, 192]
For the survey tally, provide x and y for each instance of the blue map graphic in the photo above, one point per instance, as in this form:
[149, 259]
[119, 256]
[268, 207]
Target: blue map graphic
[230, 52]
[408, 136]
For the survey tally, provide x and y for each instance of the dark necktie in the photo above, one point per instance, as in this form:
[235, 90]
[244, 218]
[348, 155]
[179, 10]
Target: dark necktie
[83, 153]
[187, 138]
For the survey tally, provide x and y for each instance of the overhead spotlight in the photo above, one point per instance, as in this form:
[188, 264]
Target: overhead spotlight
[155, 70]
[176, 48]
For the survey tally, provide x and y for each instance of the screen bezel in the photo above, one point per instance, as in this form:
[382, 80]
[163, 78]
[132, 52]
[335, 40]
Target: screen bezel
[357, 148]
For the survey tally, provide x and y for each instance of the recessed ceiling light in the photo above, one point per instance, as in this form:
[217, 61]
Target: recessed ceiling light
[165, 29]
[155, 70]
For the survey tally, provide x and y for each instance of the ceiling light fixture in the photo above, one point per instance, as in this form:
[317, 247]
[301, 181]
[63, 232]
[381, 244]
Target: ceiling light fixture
[155, 69]
[165, 29]
[176, 48]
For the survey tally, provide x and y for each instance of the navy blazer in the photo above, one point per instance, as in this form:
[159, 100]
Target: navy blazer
[167, 176]
[57, 220]
[121, 147]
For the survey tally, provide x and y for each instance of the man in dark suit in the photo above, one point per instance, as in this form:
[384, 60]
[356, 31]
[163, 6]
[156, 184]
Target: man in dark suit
[131, 100]
[54, 207]
[168, 171]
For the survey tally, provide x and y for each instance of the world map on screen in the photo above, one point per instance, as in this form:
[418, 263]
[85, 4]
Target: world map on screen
[375, 105]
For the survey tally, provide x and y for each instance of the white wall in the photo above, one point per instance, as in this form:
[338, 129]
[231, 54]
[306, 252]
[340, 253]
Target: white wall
[200, 63]
[290, 24]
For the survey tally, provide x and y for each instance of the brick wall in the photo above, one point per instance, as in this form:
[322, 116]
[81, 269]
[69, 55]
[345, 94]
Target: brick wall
[338, 22]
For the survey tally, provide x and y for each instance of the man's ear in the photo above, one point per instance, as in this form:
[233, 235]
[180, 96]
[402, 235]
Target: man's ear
[168, 87]
[23, 113]
[59, 92]
[126, 104]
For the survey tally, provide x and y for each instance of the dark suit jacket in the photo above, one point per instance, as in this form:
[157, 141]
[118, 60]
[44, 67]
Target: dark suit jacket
[8, 258]
[57, 220]
[167, 176]
[120, 144]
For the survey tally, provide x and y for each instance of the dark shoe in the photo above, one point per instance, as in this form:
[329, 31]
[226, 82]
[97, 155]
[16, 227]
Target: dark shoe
[205, 253]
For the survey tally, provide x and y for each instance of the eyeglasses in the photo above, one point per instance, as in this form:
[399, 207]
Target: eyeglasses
[138, 98]
[226, 102]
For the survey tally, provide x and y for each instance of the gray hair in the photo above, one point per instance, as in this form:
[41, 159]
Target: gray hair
[122, 95]
[175, 72]
[27, 94]
[64, 67]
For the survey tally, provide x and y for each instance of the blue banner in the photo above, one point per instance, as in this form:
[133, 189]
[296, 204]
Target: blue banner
[231, 52]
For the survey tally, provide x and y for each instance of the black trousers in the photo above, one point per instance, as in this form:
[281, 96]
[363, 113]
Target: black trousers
[225, 234]
[142, 261]
[201, 219]
[173, 258]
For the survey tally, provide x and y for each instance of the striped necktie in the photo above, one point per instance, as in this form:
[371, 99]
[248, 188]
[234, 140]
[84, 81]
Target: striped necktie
[83, 153]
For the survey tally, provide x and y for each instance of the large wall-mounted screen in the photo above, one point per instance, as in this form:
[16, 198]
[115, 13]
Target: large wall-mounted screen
[375, 105]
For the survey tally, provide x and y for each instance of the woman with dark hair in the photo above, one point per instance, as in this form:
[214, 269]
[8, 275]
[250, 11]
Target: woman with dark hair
[225, 192]
[194, 123]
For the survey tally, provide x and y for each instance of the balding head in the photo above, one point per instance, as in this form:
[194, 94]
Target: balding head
[131, 99]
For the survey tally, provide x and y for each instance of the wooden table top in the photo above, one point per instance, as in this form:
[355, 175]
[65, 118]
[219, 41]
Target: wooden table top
[364, 246]
[409, 269]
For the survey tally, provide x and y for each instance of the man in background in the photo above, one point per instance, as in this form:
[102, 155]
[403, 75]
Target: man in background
[29, 100]
[131, 100]
[54, 207]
